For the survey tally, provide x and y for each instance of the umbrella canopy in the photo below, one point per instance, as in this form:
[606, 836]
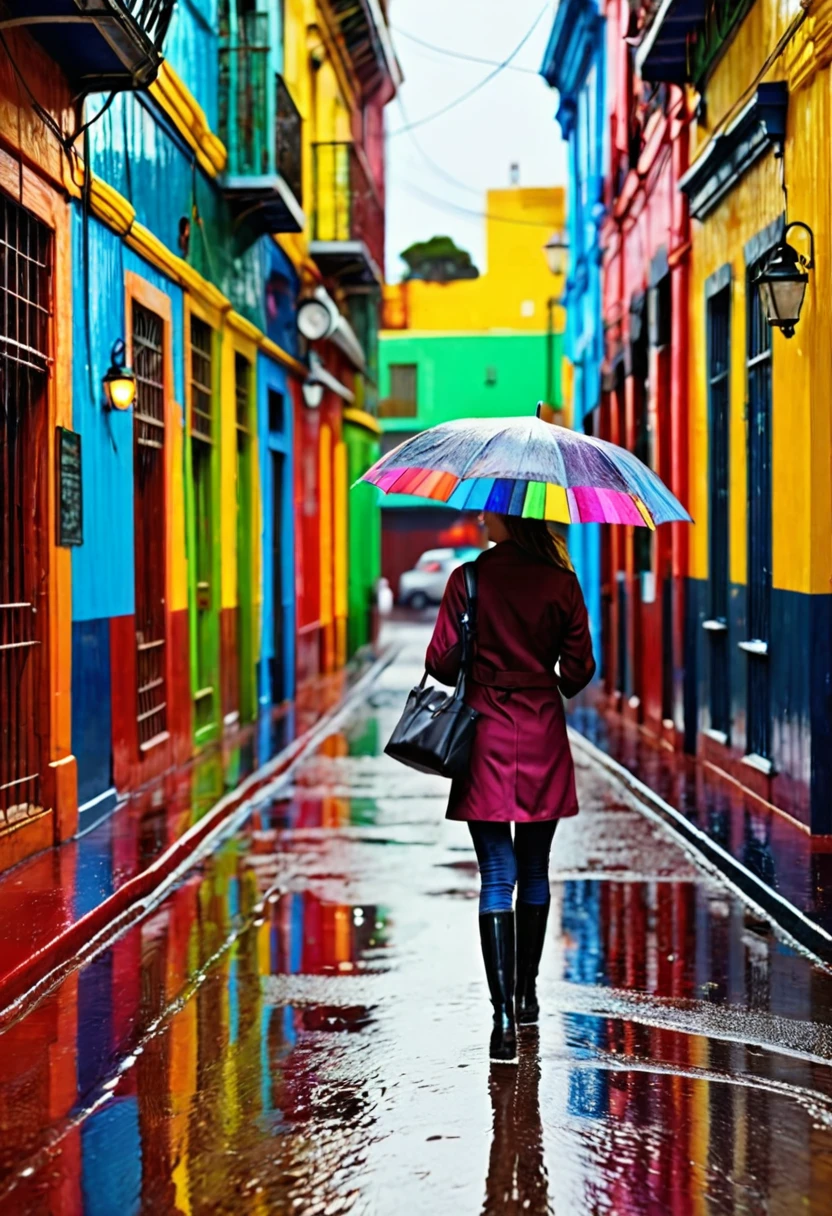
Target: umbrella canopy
[527, 467]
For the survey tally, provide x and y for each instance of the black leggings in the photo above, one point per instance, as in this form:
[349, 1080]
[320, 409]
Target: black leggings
[503, 863]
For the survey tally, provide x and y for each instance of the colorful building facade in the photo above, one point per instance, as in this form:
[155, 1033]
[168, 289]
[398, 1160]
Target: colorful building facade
[485, 347]
[716, 637]
[644, 390]
[185, 560]
[575, 64]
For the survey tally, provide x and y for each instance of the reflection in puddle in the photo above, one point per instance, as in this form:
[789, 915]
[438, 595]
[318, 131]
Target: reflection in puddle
[299, 1029]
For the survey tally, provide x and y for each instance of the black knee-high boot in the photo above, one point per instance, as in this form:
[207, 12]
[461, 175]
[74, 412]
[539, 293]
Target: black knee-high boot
[531, 931]
[497, 939]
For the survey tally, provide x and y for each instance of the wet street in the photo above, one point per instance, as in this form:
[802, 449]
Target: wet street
[301, 1027]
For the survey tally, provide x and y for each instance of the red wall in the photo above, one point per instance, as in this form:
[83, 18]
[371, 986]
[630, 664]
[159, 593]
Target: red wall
[647, 220]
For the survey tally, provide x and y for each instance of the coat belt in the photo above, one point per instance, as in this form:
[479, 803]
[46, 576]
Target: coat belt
[507, 680]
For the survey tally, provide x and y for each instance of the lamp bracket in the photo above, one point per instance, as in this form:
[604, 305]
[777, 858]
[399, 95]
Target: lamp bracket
[810, 264]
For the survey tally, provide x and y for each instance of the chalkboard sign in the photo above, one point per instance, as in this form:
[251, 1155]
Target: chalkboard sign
[70, 502]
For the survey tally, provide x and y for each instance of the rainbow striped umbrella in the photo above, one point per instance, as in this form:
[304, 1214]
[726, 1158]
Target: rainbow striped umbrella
[528, 467]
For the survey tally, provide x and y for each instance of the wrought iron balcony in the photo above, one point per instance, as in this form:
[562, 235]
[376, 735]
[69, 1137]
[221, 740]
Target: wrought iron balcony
[362, 25]
[101, 45]
[261, 127]
[347, 216]
[684, 39]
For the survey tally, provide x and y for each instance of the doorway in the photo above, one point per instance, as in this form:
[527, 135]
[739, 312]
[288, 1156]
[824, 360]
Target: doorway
[149, 525]
[25, 317]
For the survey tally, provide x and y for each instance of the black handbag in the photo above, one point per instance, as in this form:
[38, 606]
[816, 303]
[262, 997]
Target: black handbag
[436, 729]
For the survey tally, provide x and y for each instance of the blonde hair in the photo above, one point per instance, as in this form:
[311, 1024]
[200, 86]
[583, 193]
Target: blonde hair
[538, 539]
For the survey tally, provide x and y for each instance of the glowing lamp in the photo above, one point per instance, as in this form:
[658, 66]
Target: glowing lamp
[119, 381]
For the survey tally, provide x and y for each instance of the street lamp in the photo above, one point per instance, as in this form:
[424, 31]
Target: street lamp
[313, 393]
[782, 282]
[557, 252]
[557, 257]
[119, 381]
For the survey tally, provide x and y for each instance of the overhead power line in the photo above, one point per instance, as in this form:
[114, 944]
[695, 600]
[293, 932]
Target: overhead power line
[457, 208]
[444, 50]
[457, 101]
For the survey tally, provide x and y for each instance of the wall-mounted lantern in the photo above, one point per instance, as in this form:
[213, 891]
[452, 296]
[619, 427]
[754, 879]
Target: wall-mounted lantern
[119, 381]
[313, 393]
[782, 282]
[557, 252]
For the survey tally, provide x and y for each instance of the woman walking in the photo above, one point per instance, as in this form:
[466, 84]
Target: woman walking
[530, 617]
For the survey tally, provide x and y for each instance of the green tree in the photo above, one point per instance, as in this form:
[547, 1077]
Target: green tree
[438, 260]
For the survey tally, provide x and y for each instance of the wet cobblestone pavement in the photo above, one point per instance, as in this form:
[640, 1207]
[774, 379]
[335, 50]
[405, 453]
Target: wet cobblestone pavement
[302, 1027]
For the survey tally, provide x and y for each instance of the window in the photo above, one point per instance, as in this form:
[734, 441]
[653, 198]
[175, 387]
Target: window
[202, 464]
[719, 371]
[149, 522]
[276, 411]
[402, 400]
[758, 364]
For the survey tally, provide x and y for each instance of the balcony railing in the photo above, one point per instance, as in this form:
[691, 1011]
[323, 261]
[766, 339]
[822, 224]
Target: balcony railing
[101, 45]
[244, 72]
[288, 146]
[684, 39]
[261, 127]
[362, 25]
[347, 214]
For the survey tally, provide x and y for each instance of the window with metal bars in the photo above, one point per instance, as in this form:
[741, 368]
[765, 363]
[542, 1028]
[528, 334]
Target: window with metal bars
[242, 397]
[149, 524]
[202, 459]
[202, 407]
[25, 318]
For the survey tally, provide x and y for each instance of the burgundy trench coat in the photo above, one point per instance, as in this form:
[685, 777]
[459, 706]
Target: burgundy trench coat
[530, 616]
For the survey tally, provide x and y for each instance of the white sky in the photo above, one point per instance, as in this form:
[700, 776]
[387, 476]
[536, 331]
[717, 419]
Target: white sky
[510, 120]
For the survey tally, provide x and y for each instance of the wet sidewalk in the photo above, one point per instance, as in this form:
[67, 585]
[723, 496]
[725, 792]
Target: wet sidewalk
[773, 851]
[301, 1027]
[48, 894]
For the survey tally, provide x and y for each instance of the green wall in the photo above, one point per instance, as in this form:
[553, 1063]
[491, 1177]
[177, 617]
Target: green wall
[451, 381]
[364, 535]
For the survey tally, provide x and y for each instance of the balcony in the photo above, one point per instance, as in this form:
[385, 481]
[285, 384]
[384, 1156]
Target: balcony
[364, 33]
[101, 45]
[685, 39]
[347, 217]
[261, 127]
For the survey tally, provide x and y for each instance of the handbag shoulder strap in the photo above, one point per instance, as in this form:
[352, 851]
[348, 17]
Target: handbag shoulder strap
[469, 619]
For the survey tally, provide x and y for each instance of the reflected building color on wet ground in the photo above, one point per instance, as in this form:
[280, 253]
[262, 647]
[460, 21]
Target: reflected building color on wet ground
[301, 1028]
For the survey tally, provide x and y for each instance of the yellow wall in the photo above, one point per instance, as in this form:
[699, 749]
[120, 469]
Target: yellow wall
[513, 292]
[323, 93]
[801, 371]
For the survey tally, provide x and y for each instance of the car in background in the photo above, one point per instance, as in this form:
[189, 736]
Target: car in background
[425, 583]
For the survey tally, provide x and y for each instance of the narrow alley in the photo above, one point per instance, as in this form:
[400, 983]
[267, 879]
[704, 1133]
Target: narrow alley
[301, 1026]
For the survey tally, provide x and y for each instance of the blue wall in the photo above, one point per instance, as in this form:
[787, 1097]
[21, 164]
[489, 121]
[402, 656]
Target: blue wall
[102, 567]
[272, 377]
[574, 65]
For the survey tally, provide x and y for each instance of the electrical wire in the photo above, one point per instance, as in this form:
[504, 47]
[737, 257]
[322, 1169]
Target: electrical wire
[457, 101]
[429, 161]
[457, 208]
[66, 141]
[442, 50]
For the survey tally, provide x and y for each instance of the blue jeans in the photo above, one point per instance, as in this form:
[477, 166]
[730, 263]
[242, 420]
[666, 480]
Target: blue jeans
[503, 863]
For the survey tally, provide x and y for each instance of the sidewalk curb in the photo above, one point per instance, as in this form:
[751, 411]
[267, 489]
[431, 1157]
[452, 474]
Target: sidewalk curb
[796, 925]
[28, 982]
